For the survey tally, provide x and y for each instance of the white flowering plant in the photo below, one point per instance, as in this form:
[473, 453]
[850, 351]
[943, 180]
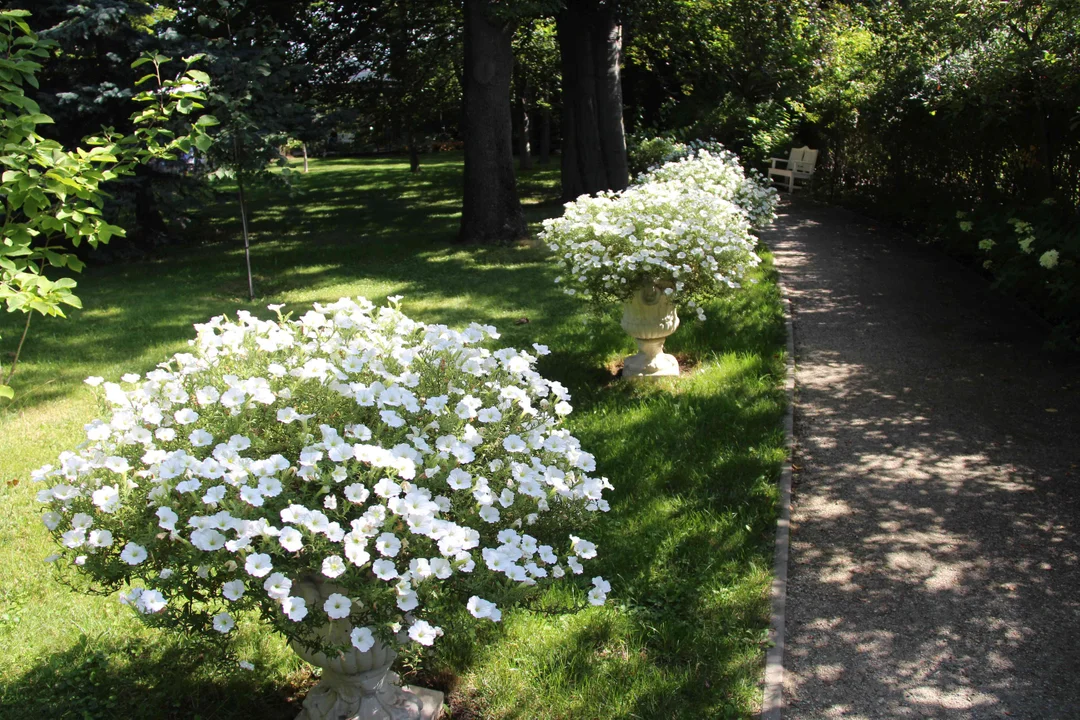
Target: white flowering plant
[678, 234]
[407, 466]
[719, 171]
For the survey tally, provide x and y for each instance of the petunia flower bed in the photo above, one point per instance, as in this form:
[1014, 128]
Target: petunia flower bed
[716, 170]
[408, 467]
[673, 235]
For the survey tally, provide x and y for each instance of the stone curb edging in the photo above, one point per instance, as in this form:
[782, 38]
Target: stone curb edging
[773, 696]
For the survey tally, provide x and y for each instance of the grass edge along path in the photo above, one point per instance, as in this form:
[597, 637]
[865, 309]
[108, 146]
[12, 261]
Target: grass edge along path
[687, 545]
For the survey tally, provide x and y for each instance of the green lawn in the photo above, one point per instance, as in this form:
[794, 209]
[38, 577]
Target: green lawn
[687, 546]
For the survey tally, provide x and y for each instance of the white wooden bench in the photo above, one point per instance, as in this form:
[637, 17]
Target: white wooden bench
[798, 166]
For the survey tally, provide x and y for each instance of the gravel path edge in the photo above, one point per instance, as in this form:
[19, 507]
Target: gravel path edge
[773, 700]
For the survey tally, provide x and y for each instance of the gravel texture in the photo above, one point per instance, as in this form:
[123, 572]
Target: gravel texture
[935, 545]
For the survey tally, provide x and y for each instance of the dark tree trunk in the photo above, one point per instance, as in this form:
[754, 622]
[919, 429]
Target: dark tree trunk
[544, 139]
[594, 144]
[491, 212]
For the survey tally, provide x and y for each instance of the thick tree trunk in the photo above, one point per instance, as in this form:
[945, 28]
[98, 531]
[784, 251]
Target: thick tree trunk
[544, 139]
[594, 144]
[491, 212]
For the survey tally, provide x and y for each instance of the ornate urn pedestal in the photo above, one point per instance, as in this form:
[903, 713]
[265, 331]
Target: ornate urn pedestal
[358, 685]
[649, 317]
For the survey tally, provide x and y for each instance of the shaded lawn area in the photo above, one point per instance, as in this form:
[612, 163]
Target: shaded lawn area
[687, 546]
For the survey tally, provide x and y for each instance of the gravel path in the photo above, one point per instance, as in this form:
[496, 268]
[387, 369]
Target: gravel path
[936, 519]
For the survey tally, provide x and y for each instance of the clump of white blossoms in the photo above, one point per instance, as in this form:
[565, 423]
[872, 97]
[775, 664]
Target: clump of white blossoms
[680, 234]
[403, 465]
[720, 172]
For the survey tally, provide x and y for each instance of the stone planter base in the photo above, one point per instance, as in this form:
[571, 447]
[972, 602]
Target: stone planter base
[357, 685]
[652, 361]
[375, 695]
[649, 317]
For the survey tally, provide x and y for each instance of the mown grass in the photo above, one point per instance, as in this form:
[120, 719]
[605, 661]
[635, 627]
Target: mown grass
[687, 545]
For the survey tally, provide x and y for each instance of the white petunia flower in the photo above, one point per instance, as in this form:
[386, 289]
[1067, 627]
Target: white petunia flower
[362, 639]
[150, 601]
[258, 564]
[117, 464]
[384, 569]
[100, 538]
[291, 539]
[337, 606]
[333, 566]
[277, 586]
[233, 590]
[388, 545]
[107, 498]
[480, 608]
[295, 608]
[252, 495]
[514, 444]
[356, 493]
[223, 622]
[133, 554]
[166, 518]
[424, 633]
[185, 416]
[52, 519]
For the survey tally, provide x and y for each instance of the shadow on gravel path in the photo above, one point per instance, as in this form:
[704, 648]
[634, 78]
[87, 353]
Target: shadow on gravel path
[936, 520]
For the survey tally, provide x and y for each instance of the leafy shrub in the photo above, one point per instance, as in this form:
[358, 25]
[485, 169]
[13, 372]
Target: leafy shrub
[404, 463]
[1032, 253]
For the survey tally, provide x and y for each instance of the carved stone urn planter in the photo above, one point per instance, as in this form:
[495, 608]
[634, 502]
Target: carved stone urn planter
[649, 317]
[357, 685]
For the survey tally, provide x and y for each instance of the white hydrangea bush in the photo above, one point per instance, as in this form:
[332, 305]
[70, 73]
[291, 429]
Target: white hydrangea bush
[677, 234]
[407, 464]
[719, 171]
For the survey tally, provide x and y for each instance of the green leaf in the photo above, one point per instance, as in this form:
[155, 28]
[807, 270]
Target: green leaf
[207, 121]
[203, 142]
[6, 392]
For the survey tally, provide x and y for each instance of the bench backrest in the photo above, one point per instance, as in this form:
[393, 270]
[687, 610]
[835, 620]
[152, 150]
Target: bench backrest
[802, 160]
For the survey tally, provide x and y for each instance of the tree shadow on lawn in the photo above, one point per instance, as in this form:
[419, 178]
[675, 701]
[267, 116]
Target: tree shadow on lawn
[105, 679]
[132, 322]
